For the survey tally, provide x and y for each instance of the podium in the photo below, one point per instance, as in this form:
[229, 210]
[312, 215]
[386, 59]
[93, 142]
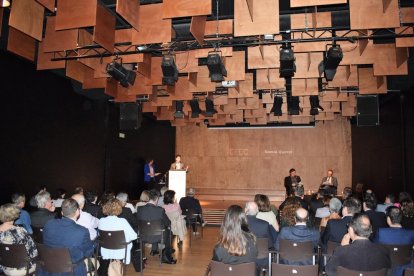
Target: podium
[177, 181]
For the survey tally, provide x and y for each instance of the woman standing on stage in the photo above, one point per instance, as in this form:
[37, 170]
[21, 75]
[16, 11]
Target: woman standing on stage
[149, 175]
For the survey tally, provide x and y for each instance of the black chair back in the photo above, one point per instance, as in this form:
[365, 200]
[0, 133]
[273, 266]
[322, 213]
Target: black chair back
[151, 231]
[54, 260]
[37, 234]
[262, 248]
[222, 269]
[14, 256]
[296, 251]
[400, 254]
[342, 271]
[305, 270]
[409, 272]
[112, 239]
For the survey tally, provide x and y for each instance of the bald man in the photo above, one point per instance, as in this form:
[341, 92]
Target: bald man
[299, 233]
[85, 219]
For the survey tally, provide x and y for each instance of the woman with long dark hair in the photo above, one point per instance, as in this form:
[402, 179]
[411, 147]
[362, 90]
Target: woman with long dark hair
[236, 243]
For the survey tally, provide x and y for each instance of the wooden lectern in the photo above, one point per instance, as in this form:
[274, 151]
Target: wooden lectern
[177, 181]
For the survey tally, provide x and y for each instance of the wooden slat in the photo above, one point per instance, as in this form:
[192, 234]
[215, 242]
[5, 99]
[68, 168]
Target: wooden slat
[59, 40]
[21, 44]
[197, 28]
[129, 10]
[104, 32]
[224, 27]
[184, 8]
[270, 57]
[377, 18]
[48, 4]
[407, 15]
[75, 14]
[76, 70]
[27, 17]
[370, 84]
[123, 35]
[235, 66]
[306, 3]
[44, 59]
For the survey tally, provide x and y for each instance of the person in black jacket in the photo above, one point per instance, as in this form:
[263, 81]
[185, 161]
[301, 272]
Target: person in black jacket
[378, 219]
[45, 211]
[291, 181]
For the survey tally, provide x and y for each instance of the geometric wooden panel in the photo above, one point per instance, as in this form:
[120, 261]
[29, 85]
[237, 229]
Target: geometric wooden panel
[44, 59]
[374, 14]
[48, 4]
[346, 76]
[21, 44]
[73, 14]
[58, 40]
[304, 87]
[370, 84]
[244, 88]
[129, 10]
[104, 32]
[405, 41]
[200, 81]
[270, 58]
[224, 27]
[407, 15]
[311, 20]
[76, 70]
[306, 3]
[307, 65]
[390, 60]
[269, 79]
[235, 66]
[265, 18]
[184, 8]
[197, 28]
[27, 17]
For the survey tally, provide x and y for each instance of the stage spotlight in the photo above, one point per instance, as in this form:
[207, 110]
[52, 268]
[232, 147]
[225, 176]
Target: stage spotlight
[195, 108]
[179, 113]
[277, 106]
[293, 105]
[315, 106]
[331, 62]
[287, 62]
[216, 67]
[120, 73]
[169, 70]
[210, 111]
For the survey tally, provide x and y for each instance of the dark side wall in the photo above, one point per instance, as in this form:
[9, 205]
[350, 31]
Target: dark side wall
[55, 137]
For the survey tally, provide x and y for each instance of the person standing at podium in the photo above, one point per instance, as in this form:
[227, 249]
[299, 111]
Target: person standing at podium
[178, 165]
[149, 175]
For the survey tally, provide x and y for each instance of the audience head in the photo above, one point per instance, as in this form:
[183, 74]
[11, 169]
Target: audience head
[351, 206]
[60, 193]
[326, 200]
[9, 213]
[288, 213]
[191, 192]
[18, 199]
[163, 190]
[360, 227]
[301, 216]
[292, 172]
[70, 209]
[43, 200]
[408, 209]
[123, 198]
[389, 198]
[41, 188]
[91, 197]
[262, 202]
[251, 208]
[346, 193]
[80, 199]
[335, 205]
[112, 207]
[153, 196]
[106, 196]
[394, 216]
[144, 196]
[232, 229]
[78, 190]
[299, 192]
[369, 192]
[169, 197]
[370, 202]
[404, 196]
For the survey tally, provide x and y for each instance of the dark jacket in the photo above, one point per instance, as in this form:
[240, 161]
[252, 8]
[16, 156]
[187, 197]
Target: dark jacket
[40, 217]
[378, 220]
[262, 229]
[129, 216]
[190, 203]
[220, 254]
[288, 184]
[335, 231]
[93, 209]
[394, 235]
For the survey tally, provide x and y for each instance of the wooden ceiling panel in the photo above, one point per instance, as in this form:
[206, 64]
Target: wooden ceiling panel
[152, 27]
[181, 90]
[307, 65]
[139, 87]
[21, 44]
[370, 84]
[76, 70]
[27, 17]
[203, 53]
[405, 41]
[48, 4]
[307, 3]
[331, 96]
[197, 28]
[244, 89]
[407, 15]
[263, 57]
[311, 20]
[200, 81]
[391, 60]
[123, 35]
[186, 61]
[265, 18]
[104, 32]
[59, 40]
[89, 82]
[224, 27]
[129, 10]
[185, 8]
[156, 71]
[304, 87]
[44, 59]
[269, 79]
[73, 14]
[382, 14]
[345, 76]
[99, 66]
[235, 66]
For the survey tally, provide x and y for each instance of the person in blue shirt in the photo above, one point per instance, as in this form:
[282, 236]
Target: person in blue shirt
[150, 174]
[19, 200]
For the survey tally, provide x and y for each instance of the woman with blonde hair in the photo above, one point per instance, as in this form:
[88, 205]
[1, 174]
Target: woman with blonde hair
[143, 199]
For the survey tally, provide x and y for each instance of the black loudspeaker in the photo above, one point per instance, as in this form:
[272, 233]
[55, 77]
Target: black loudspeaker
[130, 116]
[367, 110]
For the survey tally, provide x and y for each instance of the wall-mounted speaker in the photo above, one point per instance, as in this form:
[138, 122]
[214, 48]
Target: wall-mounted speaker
[367, 110]
[130, 116]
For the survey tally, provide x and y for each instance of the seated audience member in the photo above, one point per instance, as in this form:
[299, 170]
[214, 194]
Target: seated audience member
[45, 211]
[32, 201]
[378, 219]
[90, 204]
[324, 211]
[59, 198]
[191, 205]
[143, 199]
[389, 201]
[287, 215]
[162, 192]
[395, 233]
[360, 254]
[126, 212]
[315, 203]
[265, 213]
[85, 219]
[123, 197]
[10, 234]
[78, 190]
[346, 193]
[404, 196]
[112, 222]
[299, 233]
[260, 228]
[152, 212]
[66, 233]
[106, 196]
[24, 218]
[407, 208]
[335, 206]
[236, 244]
[300, 195]
[174, 213]
[337, 228]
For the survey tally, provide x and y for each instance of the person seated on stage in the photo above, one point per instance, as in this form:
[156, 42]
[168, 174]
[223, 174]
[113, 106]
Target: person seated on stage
[126, 212]
[143, 199]
[360, 254]
[178, 165]
[260, 228]
[291, 181]
[236, 244]
[378, 219]
[11, 234]
[329, 183]
[389, 201]
[45, 211]
[191, 205]
[265, 213]
[152, 212]
[299, 233]
[407, 208]
[161, 199]
[335, 207]
[90, 204]
[324, 211]
[287, 213]
[23, 220]
[174, 213]
[85, 219]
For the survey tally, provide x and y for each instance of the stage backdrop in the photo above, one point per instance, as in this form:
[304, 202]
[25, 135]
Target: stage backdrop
[234, 164]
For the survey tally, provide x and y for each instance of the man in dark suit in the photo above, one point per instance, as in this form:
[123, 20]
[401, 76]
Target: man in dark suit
[337, 228]
[191, 205]
[329, 184]
[361, 254]
[299, 233]
[395, 233]
[90, 205]
[66, 233]
[126, 212]
[259, 227]
[291, 181]
[45, 211]
[378, 219]
[152, 212]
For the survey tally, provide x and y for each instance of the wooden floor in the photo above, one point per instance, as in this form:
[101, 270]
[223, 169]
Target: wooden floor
[190, 261]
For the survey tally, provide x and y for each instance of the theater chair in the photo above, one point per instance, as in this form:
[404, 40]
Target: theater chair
[222, 269]
[409, 272]
[55, 260]
[400, 254]
[329, 251]
[151, 231]
[342, 271]
[297, 270]
[15, 256]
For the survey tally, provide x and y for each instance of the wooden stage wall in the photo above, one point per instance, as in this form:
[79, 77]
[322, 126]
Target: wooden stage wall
[235, 164]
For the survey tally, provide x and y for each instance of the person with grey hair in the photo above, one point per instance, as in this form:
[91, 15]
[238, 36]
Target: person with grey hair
[161, 199]
[66, 233]
[126, 212]
[361, 254]
[19, 200]
[45, 211]
[85, 219]
[123, 197]
[260, 228]
[335, 207]
[189, 204]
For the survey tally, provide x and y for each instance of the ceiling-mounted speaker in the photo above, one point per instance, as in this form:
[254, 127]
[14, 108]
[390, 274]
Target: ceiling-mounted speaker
[367, 110]
[130, 116]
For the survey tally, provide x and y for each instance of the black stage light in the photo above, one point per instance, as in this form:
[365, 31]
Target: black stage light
[169, 70]
[216, 67]
[210, 111]
[277, 106]
[293, 105]
[195, 108]
[287, 62]
[314, 102]
[331, 61]
[120, 73]
[179, 113]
